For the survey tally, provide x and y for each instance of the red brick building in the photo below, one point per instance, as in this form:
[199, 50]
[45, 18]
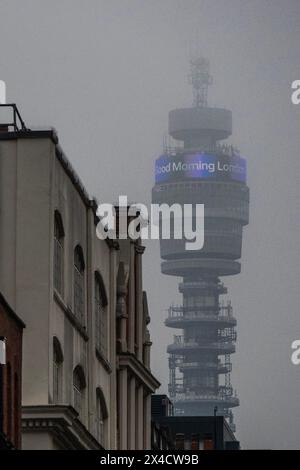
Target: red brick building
[11, 328]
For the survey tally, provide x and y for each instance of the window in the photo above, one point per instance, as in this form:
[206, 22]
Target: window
[79, 283]
[57, 371]
[58, 252]
[16, 408]
[101, 417]
[199, 301]
[201, 382]
[79, 385]
[179, 441]
[100, 305]
[9, 400]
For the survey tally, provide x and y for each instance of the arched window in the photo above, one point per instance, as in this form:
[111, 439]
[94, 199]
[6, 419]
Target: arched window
[57, 371]
[101, 417]
[79, 385]
[100, 304]
[79, 283]
[58, 252]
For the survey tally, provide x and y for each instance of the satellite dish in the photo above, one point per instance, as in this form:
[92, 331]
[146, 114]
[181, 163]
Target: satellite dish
[2, 92]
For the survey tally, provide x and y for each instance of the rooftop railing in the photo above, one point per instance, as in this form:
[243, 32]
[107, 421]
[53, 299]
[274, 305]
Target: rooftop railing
[17, 123]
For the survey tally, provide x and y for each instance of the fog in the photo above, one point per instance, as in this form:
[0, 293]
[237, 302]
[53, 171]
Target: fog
[105, 74]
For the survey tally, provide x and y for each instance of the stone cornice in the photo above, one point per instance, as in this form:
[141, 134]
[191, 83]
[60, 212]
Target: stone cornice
[60, 421]
[144, 375]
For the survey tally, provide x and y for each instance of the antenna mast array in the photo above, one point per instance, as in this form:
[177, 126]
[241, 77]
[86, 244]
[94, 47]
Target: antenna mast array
[200, 79]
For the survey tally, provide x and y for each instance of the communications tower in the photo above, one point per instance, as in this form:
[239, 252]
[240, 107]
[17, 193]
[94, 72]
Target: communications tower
[201, 168]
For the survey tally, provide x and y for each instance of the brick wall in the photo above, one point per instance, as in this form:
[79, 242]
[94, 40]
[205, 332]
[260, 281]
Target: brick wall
[11, 328]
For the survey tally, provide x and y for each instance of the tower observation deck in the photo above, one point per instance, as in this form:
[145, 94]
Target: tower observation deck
[202, 169]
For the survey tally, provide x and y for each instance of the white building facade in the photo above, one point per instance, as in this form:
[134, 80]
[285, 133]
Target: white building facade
[86, 349]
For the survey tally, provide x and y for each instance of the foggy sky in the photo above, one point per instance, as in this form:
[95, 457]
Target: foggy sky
[106, 73]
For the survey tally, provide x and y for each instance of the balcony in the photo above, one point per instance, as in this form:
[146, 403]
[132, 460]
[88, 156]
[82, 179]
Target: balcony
[188, 389]
[179, 317]
[182, 399]
[180, 346]
[220, 367]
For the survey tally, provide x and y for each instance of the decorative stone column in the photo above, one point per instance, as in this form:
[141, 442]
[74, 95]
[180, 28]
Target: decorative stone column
[121, 308]
[139, 250]
[140, 418]
[132, 303]
[131, 414]
[147, 422]
[122, 398]
[147, 349]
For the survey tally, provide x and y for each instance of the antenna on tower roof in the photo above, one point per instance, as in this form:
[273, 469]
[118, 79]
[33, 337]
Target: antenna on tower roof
[200, 79]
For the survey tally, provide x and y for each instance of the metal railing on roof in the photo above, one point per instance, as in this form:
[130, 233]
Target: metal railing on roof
[17, 122]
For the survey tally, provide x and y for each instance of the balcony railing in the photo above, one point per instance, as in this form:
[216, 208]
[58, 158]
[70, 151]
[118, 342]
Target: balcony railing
[180, 313]
[15, 122]
[215, 149]
[219, 367]
[223, 348]
[189, 389]
[228, 400]
[222, 337]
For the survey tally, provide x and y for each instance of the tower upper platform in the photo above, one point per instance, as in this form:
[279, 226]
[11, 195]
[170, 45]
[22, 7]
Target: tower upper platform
[200, 125]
